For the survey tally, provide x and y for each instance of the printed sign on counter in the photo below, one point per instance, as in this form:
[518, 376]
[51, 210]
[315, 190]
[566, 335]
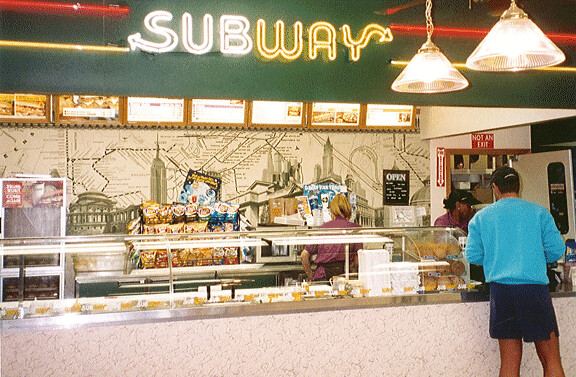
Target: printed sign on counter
[277, 113]
[87, 108]
[229, 111]
[335, 115]
[151, 109]
[24, 106]
[396, 116]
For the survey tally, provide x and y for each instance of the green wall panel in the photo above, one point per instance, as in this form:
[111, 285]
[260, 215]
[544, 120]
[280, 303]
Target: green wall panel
[180, 74]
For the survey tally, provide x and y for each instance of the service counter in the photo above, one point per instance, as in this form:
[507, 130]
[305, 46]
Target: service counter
[418, 335]
[365, 327]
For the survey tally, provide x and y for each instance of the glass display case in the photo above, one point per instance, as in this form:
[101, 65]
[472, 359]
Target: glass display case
[146, 273]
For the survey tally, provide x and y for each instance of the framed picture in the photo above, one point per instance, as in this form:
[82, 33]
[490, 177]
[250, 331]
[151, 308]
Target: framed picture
[392, 117]
[277, 114]
[25, 108]
[328, 115]
[156, 111]
[219, 112]
[82, 109]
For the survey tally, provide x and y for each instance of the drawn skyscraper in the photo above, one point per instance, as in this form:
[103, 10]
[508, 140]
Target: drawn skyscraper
[328, 159]
[158, 184]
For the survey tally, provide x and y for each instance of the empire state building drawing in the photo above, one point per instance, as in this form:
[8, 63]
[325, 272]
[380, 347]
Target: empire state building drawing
[158, 184]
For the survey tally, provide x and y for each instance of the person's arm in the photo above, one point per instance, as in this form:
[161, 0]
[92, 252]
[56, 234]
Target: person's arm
[474, 247]
[305, 256]
[554, 246]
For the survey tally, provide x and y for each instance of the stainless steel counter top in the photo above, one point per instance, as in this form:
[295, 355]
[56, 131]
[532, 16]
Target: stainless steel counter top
[239, 309]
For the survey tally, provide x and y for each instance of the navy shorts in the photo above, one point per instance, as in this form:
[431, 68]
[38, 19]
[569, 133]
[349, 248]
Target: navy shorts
[521, 311]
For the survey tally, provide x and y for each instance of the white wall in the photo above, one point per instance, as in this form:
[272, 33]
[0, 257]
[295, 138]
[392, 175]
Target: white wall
[450, 128]
[441, 121]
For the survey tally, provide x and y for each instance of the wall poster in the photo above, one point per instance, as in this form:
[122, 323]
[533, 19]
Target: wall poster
[389, 116]
[232, 112]
[334, 115]
[22, 107]
[146, 110]
[115, 170]
[277, 113]
[79, 109]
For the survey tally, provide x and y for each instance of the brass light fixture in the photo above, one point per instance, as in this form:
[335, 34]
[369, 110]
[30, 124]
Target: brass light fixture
[429, 71]
[515, 43]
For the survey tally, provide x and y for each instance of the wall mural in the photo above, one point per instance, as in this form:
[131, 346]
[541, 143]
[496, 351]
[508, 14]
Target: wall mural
[111, 172]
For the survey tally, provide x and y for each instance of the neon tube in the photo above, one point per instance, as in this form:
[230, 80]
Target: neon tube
[468, 32]
[60, 46]
[66, 8]
[463, 66]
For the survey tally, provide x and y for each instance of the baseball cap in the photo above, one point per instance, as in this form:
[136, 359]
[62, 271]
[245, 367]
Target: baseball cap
[460, 196]
[505, 174]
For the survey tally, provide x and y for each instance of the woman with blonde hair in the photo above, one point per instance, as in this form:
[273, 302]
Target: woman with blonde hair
[330, 258]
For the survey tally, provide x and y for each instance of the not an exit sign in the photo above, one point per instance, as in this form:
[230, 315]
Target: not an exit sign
[482, 141]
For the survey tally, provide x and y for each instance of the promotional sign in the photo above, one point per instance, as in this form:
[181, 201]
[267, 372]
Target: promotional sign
[482, 141]
[440, 167]
[396, 187]
[389, 116]
[149, 109]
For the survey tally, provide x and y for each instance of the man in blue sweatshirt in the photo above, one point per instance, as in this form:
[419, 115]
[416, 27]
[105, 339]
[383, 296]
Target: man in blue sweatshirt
[514, 239]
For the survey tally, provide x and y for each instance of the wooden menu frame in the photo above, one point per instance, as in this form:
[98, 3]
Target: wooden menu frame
[156, 121]
[335, 115]
[84, 105]
[284, 106]
[396, 113]
[13, 104]
[196, 117]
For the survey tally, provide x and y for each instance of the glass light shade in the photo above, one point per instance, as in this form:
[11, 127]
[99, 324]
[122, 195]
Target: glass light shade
[429, 71]
[515, 43]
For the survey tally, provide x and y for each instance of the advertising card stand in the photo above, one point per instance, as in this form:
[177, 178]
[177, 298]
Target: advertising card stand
[32, 208]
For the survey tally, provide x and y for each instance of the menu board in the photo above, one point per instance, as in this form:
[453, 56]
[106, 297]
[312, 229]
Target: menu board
[397, 116]
[277, 113]
[24, 106]
[155, 110]
[334, 115]
[88, 108]
[396, 187]
[217, 111]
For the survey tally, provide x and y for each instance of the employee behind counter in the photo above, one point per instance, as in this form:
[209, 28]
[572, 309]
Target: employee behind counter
[458, 210]
[330, 258]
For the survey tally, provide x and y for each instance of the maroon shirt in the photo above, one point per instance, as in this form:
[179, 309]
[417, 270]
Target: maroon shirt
[328, 253]
[448, 220]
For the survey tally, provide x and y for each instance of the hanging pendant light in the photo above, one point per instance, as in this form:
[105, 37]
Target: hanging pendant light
[429, 71]
[515, 43]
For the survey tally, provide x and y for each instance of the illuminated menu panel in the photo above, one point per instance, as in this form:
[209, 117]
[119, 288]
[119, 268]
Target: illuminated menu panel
[152, 109]
[81, 108]
[218, 111]
[389, 116]
[23, 106]
[335, 114]
[277, 113]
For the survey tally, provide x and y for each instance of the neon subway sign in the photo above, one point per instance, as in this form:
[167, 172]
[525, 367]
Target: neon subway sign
[234, 37]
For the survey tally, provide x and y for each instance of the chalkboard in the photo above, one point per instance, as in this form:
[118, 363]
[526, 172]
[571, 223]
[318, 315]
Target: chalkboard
[396, 187]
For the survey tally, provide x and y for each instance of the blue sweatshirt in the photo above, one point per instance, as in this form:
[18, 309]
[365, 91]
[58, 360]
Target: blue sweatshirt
[514, 239]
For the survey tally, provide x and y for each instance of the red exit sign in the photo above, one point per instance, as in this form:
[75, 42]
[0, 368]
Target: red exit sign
[482, 141]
